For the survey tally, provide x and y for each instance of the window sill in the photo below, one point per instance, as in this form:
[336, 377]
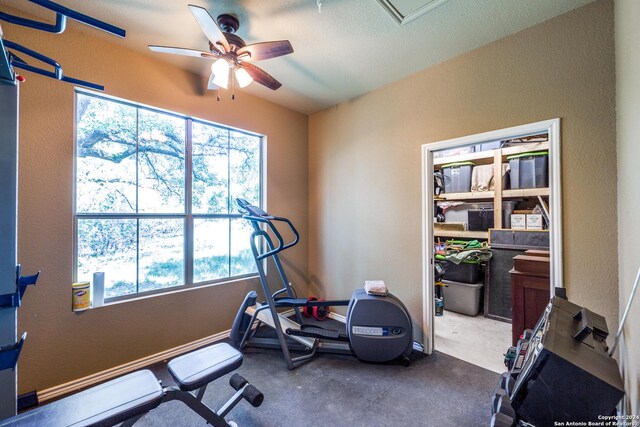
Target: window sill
[167, 292]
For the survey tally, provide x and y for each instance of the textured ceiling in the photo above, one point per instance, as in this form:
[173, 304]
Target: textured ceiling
[349, 48]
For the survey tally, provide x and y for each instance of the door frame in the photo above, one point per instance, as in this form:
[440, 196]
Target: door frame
[552, 127]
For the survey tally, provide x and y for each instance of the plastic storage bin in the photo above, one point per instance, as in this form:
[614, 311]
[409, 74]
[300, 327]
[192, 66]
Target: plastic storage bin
[460, 213]
[457, 177]
[529, 170]
[462, 297]
[466, 271]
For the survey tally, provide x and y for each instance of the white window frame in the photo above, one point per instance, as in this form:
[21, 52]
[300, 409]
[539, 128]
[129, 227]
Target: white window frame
[188, 216]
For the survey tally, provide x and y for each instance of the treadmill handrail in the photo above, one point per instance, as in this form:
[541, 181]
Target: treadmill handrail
[281, 245]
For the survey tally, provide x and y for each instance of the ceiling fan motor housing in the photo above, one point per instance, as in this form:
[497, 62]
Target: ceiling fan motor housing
[229, 24]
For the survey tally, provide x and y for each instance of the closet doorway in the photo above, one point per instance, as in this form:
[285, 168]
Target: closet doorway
[491, 211]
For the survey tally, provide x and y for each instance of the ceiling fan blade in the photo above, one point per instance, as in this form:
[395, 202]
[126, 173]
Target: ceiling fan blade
[209, 27]
[265, 50]
[182, 51]
[261, 76]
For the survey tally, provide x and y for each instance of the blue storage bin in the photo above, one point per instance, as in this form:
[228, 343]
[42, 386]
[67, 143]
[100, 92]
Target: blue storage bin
[457, 177]
[529, 170]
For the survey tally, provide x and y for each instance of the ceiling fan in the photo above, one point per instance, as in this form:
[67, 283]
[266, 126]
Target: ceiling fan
[231, 55]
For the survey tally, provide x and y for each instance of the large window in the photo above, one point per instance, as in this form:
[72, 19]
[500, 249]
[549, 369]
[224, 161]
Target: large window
[155, 197]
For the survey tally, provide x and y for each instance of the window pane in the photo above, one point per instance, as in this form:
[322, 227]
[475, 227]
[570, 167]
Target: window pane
[106, 156]
[244, 164]
[210, 249]
[242, 261]
[161, 253]
[210, 169]
[131, 160]
[108, 245]
[161, 162]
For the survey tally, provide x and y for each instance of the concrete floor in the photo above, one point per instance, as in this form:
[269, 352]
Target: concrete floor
[476, 340]
[333, 390]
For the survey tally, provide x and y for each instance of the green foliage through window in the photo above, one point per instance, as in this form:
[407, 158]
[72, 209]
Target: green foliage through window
[134, 218]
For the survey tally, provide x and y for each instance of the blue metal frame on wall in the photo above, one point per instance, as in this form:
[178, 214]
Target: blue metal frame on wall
[12, 283]
[10, 60]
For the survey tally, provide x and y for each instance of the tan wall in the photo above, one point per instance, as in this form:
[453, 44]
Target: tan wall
[62, 345]
[365, 158]
[627, 16]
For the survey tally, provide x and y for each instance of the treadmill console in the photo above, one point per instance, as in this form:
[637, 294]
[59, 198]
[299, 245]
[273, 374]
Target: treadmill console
[251, 209]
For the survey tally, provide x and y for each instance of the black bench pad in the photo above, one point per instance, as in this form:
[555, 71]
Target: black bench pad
[103, 405]
[200, 367]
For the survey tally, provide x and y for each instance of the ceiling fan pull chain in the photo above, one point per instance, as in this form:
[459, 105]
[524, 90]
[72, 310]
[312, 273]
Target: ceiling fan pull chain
[233, 85]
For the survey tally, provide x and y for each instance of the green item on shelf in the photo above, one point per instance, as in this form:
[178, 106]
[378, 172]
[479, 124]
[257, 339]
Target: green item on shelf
[457, 164]
[472, 256]
[528, 154]
[465, 244]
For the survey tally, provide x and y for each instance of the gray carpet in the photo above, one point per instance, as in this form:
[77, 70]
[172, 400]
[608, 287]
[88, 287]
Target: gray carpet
[333, 390]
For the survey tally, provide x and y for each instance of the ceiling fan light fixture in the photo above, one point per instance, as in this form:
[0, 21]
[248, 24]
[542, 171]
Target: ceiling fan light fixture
[221, 80]
[231, 53]
[220, 70]
[243, 77]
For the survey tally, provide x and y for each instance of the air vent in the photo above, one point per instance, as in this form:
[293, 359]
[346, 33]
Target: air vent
[404, 11]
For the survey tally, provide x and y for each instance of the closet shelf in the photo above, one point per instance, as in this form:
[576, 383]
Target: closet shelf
[526, 192]
[463, 234]
[486, 157]
[489, 195]
[478, 195]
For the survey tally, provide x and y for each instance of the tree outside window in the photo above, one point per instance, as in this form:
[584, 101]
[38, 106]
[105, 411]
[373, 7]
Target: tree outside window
[149, 215]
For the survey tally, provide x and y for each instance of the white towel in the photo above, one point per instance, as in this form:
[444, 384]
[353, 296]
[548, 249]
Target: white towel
[375, 287]
[97, 291]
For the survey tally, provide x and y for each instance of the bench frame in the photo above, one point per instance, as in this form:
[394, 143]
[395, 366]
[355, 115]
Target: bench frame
[151, 396]
[194, 401]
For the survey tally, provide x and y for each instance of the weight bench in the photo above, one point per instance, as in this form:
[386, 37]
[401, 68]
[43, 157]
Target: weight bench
[128, 398]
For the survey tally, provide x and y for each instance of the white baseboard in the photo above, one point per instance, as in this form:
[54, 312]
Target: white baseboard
[93, 379]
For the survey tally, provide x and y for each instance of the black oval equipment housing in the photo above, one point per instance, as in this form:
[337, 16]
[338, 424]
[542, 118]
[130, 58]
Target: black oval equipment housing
[379, 327]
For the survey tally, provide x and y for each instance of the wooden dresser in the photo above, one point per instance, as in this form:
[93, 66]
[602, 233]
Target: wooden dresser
[530, 293]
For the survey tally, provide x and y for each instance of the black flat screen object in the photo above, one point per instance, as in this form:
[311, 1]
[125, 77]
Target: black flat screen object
[563, 378]
[480, 219]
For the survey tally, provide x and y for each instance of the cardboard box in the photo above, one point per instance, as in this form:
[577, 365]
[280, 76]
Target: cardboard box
[518, 222]
[534, 222]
